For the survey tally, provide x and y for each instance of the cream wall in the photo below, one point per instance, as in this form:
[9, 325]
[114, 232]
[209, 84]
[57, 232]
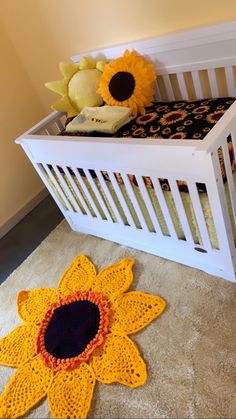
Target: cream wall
[44, 32]
[18, 181]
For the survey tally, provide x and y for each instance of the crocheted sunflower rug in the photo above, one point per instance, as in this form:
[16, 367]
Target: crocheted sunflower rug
[74, 335]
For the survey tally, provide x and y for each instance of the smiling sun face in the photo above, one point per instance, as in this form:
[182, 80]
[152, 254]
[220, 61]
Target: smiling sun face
[74, 335]
[78, 87]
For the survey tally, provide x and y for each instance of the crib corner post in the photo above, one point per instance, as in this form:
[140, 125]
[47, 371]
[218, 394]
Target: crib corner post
[221, 213]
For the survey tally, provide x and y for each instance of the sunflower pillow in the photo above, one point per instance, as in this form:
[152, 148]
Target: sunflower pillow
[128, 81]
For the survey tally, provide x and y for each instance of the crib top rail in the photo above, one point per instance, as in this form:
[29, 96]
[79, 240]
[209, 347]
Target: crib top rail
[178, 48]
[193, 64]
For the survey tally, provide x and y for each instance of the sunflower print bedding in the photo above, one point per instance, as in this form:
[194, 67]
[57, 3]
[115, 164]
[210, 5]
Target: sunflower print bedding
[178, 120]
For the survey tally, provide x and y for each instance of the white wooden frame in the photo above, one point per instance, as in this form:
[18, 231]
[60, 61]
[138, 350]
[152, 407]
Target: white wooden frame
[192, 51]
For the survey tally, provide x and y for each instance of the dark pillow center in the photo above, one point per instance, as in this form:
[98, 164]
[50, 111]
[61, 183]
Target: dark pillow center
[122, 86]
[71, 328]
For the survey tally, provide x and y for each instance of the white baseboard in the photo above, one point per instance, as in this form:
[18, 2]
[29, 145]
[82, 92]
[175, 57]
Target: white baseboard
[16, 218]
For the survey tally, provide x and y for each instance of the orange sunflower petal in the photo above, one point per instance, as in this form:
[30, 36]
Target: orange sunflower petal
[78, 276]
[18, 346]
[133, 311]
[33, 304]
[71, 392]
[115, 279]
[135, 108]
[118, 360]
[26, 387]
[127, 53]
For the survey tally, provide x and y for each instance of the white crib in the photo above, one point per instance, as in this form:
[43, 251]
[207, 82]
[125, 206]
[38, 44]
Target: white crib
[190, 65]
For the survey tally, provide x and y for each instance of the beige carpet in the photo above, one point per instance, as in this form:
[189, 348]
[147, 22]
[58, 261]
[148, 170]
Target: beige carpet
[190, 350]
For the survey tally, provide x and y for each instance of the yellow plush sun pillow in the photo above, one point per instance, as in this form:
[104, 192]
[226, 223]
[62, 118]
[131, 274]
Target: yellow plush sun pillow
[78, 87]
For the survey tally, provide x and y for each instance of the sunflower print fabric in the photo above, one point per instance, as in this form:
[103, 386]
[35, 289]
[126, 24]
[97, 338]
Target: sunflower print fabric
[178, 120]
[76, 335]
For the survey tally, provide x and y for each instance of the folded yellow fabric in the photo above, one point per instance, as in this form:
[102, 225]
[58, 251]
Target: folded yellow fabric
[107, 119]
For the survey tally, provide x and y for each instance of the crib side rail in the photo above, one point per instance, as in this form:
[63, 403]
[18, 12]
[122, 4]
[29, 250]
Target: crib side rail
[110, 197]
[220, 131]
[221, 146]
[52, 124]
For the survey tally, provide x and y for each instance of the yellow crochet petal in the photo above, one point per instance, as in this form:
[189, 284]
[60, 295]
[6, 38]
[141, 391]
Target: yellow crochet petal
[115, 279]
[68, 69]
[32, 305]
[119, 360]
[135, 310]
[18, 346]
[26, 387]
[71, 392]
[79, 276]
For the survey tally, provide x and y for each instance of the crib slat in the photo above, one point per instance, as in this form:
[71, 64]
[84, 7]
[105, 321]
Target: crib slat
[55, 194]
[197, 84]
[213, 82]
[97, 194]
[57, 186]
[134, 201]
[157, 93]
[109, 197]
[182, 86]
[148, 204]
[200, 219]
[164, 208]
[86, 194]
[74, 187]
[168, 87]
[230, 179]
[180, 210]
[62, 119]
[122, 200]
[233, 137]
[59, 125]
[230, 81]
[67, 190]
[49, 129]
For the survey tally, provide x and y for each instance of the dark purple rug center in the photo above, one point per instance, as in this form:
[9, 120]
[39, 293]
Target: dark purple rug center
[71, 328]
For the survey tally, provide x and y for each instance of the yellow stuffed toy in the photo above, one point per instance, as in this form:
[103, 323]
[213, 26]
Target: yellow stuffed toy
[78, 87]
